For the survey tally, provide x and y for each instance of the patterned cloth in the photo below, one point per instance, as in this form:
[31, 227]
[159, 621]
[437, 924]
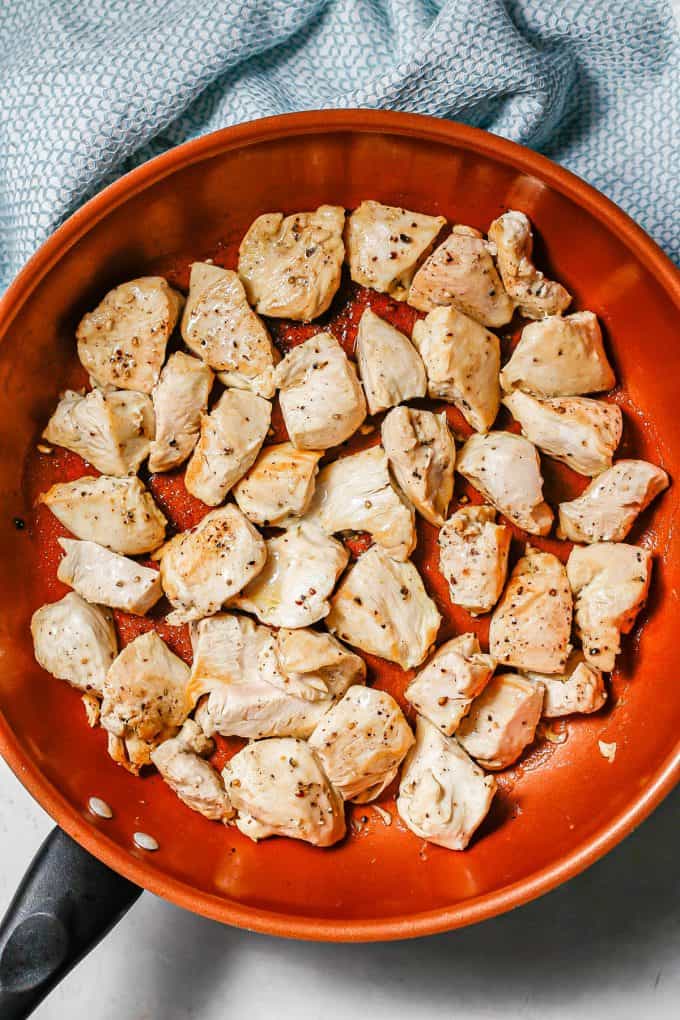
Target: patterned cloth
[91, 88]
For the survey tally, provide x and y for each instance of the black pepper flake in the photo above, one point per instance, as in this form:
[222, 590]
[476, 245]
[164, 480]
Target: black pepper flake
[19, 523]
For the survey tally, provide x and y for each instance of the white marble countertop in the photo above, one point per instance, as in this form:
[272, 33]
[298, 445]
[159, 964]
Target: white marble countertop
[605, 945]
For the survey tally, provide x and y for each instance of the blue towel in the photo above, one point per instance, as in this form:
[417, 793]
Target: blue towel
[91, 88]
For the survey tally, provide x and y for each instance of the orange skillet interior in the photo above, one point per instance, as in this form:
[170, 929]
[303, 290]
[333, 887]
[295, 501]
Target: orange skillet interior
[564, 798]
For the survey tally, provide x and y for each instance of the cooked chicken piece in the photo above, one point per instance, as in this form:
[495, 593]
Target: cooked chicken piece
[531, 625]
[75, 641]
[356, 494]
[108, 579]
[560, 357]
[279, 485]
[179, 400]
[203, 567]
[231, 438]
[443, 796]
[361, 743]
[473, 557]
[506, 469]
[292, 590]
[607, 509]
[265, 684]
[502, 720]
[390, 367]
[180, 761]
[321, 397]
[279, 789]
[610, 582]
[220, 326]
[461, 272]
[112, 431]
[381, 606]
[462, 360]
[291, 267]
[145, 700]
[122, 342]
[386, 244]
[421, 454]
[581, 432]
[580, 688]
[535, 296]
[118, 513]
[444, 688]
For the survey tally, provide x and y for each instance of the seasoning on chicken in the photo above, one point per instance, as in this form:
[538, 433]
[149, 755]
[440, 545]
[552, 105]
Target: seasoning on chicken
[113, 431]
[118, 513]
[506, 469]
[386, 244]
[381, 606]
[421, 454]
[105, 578]
[179, 399]
[220, 326]
[581, 432]
[390, 367]
[122, 342]
[75, 641]
[462, 361]
[502, 720]
[231, 438]
[356, 494]
[535, 296]
[610, 582]
[291, 267]
[145, 700]
[203, 567]
[608, 508]
[262, 683]
[461, 272]
[560, 357]
[444, 688]
[181, 763]
[361, 742]
[531, 626]
[279, 486]
[321, 397]
[580, 688]
[279, 789]
[473, 557]
[443, 795]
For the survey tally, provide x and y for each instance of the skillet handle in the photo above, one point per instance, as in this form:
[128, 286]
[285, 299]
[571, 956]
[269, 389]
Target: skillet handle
[67, 902]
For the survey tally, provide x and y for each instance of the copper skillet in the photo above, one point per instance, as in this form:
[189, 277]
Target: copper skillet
[567, 805]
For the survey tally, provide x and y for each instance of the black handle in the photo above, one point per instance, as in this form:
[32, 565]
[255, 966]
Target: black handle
[67, 902]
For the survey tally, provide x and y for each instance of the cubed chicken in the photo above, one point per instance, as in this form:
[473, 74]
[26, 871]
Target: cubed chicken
[118, 513]
[104, 577]
[181, 762]
[390, 367]
[560, 357]
[321, 397]
[462, 361]
[473, 557]
[361, 743]
[421, 454]
[291, 267]
[443, 795]
[581, 432]
[381, 606]
[502, 720]
[608, 508]
[279, 789]
[231, 438]
[122, 342]
[75, 641]
[386, 244]
[179, 400]
[535, 296]
[219, 325]
[579, 689]
[610, 582]
[279, 486]
[506, 469]
[531, 625]
[444, 688]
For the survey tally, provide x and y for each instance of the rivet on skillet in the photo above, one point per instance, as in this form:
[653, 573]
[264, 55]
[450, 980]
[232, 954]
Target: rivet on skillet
[99, 807]
[144, 841]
